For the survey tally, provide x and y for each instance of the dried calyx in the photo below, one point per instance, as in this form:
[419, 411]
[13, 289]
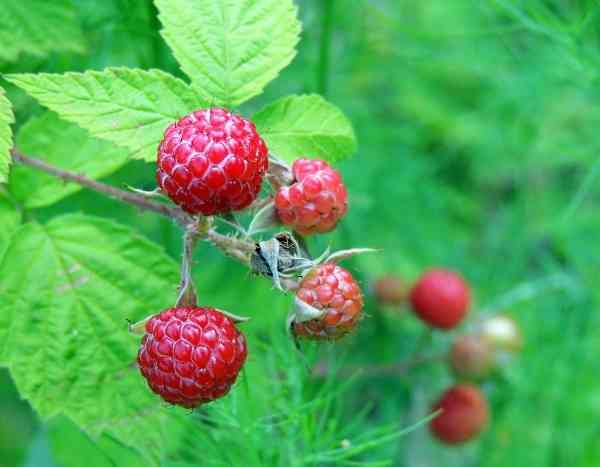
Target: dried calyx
[286, 259]
[282, 258]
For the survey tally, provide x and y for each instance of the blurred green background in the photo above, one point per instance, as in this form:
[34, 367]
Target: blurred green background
[478, 128]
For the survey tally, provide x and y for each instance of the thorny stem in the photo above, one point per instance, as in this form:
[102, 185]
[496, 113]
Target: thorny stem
[231, 246]
[116, 193]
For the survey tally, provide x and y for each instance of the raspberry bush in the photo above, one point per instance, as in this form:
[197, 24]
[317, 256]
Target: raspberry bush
[213, 174]
[182, 229]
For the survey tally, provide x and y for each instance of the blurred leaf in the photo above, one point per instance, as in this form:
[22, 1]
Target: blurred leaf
[102, 452]
[10, 218]
[38, 27]
[230, 49]
[16, 435]
[6, 119]
[64, 145]
[38, 453]
[68, 288]
[121, 33]
[129, 107]
[306, 126]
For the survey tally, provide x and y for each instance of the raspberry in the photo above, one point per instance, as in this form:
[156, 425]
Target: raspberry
[332, 288]
[390, 290]
[316, 201]
[441, 298]
[211, 162]
[502, 333]
[190, 356]
[471, 357]
[464, 414]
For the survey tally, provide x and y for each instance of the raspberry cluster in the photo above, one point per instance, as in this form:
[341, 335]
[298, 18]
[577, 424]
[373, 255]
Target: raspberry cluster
[212, 162]
[315, 201]
[441, 299]
[329, 287]
[190, 356]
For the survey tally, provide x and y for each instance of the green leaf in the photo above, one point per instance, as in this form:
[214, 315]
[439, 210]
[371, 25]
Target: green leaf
[38, 27]
[129, 107]
[306, 126]
[67, 289]
[6, 119]
[10, 219]
[230, 49]
[63, 145]
[104, 451]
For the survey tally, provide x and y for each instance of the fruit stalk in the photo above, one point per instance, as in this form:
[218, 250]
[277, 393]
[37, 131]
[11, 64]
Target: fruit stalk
[187, 291]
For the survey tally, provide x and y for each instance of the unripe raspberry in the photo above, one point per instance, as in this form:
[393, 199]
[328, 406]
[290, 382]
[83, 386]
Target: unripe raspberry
[315, 201]
[441, 298]
[464, 414]
[330, 287]
[502, 333]
[212, 162]
[390, 290]
[191, 356]
[471, 357]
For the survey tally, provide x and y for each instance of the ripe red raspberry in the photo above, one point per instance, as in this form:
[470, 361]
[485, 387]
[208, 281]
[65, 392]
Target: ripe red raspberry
[212, 162]
[316, 201]
[471, 357]
[190, 356]
[390, 290]
[332, 288]
[441, 298]
[464, 414]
